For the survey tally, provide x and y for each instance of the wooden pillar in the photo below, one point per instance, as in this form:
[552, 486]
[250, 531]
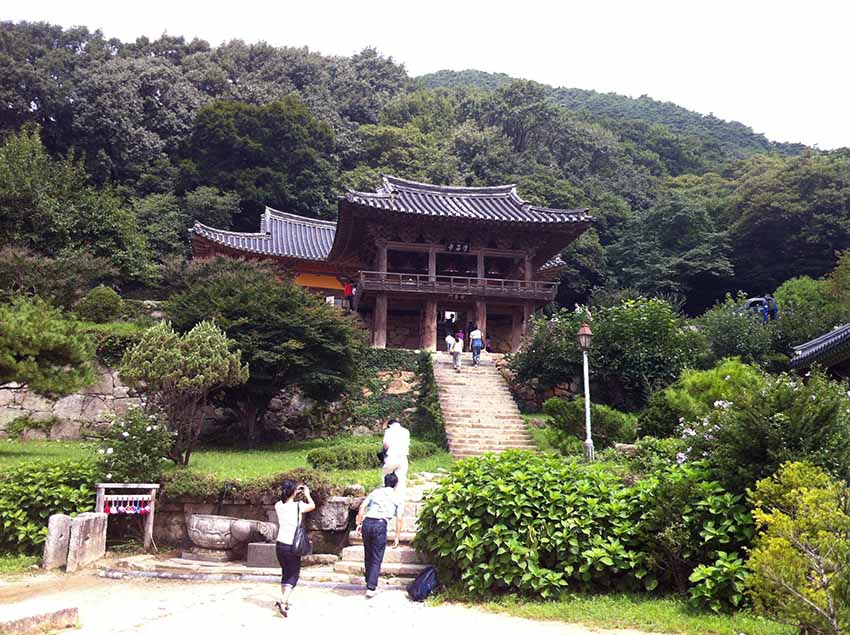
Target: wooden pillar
[428, 338]
[382, 258]
[527, 268]
[516, 329]
[527, 312]
[481, 316]
[432, 264]
[379, 321]
[480, 265]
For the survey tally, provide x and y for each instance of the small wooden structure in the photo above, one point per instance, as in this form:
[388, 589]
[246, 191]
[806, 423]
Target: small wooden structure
[104, 500]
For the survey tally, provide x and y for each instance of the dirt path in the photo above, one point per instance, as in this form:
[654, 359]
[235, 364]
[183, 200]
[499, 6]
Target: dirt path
[164, 607]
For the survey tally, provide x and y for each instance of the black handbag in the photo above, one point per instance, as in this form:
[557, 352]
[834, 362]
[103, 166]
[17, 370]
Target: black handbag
[382, 455]
[301, 545]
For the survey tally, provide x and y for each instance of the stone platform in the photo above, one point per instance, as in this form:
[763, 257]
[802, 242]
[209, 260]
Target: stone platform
[36, 616]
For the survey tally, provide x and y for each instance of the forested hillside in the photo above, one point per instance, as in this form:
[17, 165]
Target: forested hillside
[111, 150]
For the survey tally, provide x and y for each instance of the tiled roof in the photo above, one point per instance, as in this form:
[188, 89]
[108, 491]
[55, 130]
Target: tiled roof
[555, 262]
[281, 234]
[500, 203]
[826, 349]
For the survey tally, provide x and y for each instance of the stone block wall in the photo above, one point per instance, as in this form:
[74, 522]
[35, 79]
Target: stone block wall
[77, 414]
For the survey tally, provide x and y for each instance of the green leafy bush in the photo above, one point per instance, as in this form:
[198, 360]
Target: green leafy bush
[112, 339]
[531, 524]
[134, 448]
[784, 419]
[720, 586]
[658, 419]
[652, 454]
[31, 492]
[801, 558]
[100, 305]
[608, 426]
[357, 455]
[733, 332]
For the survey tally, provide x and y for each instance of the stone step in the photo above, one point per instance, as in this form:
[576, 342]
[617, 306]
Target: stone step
[329, 574]
[388, 569]
[402, 555]
[406, 537]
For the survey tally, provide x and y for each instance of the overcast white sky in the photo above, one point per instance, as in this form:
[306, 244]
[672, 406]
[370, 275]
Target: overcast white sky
[781, 67]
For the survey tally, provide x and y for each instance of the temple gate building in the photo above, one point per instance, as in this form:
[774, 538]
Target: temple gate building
[423, 258]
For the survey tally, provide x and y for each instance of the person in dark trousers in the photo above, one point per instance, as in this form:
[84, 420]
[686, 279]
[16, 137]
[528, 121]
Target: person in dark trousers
[289, 513]
[377, 509]
[476, 343]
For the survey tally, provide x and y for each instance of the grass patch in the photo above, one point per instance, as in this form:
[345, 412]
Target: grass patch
[13, 452]
[226, 464]
[659, 615]
[16, 564]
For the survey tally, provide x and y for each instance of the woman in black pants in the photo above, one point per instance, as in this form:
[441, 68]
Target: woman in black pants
[289, 513]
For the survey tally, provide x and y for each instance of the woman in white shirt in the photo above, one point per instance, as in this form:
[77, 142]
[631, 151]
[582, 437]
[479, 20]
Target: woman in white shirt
[289, 513]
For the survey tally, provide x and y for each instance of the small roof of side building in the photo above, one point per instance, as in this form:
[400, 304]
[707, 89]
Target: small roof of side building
[827, 350]
[281, 234]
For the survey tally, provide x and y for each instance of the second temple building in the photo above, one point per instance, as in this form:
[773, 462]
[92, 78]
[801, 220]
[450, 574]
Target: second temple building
[422, 259]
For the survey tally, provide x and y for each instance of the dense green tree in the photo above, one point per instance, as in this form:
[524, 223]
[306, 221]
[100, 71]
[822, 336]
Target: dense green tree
[211, 206]
[277, 155]
[287, 335]
[41, 349]
[163, 223]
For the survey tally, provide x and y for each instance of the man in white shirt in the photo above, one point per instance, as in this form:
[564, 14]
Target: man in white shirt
[397, 445]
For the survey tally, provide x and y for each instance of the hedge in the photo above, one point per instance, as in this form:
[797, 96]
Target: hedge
[348, 456]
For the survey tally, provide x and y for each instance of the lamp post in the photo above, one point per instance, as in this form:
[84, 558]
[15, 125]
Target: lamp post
[585, 335]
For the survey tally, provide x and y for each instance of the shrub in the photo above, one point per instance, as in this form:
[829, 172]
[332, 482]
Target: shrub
[608, 426]
[179, 372]
[18, 426]
[801, 558]
[531, 524]
[720, 586]
[134, 448]
[111, 340]
[31, 492]
[100, 305]
[733, 332]
[784, 419]
[39, 347]
[354, 456]
[807, 308]
[550, 355]
[694, 395]
[652, 454]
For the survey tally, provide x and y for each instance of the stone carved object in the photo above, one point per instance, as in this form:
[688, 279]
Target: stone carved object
[220, 538]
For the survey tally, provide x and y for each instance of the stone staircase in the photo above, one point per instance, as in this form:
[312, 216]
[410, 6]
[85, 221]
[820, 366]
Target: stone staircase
[400, 565]
[479, 412]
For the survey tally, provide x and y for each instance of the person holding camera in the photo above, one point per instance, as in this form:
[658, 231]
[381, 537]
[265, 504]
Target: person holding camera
[372, 517]
[289, 512]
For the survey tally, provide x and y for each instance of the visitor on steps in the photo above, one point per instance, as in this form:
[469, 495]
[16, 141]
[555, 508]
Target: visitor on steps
[397, 446]
[289, 513]
[456, 350]
[449, 343]
[476, 342]
[376, 510]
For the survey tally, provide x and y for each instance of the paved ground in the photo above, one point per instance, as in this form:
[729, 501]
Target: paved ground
[163, 607]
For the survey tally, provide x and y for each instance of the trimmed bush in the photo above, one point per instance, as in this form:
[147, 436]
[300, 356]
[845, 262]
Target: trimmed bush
[31, 492]
[134, 448]
[355, 456]
[112, 339]
[659, 419]
[538, 525]
[608, 426]
[100, 305]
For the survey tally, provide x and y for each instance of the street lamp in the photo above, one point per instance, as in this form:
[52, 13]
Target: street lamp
[585, 335]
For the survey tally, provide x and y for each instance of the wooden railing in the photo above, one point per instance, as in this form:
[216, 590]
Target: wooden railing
[456, 285]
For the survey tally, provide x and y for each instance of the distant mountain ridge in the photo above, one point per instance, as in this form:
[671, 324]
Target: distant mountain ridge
[729, 137]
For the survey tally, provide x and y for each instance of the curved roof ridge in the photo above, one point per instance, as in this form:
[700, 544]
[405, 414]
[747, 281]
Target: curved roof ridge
[229, 232]
[296, 218]
[392, 182]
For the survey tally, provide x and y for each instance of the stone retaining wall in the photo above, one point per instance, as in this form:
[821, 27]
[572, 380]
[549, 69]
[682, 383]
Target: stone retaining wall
[328, 525]
[75, 415]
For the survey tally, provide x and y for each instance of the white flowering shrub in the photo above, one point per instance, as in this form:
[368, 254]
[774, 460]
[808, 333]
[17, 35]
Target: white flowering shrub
[134, 448]
[747, 436]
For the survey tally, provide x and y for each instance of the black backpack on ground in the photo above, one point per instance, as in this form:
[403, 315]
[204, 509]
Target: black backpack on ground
[423, 585]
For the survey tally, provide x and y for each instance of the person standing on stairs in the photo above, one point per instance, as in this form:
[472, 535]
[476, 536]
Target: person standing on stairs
[372, 517]
[457, 349]
[476, 343]
[397, 446]
[289, 513]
